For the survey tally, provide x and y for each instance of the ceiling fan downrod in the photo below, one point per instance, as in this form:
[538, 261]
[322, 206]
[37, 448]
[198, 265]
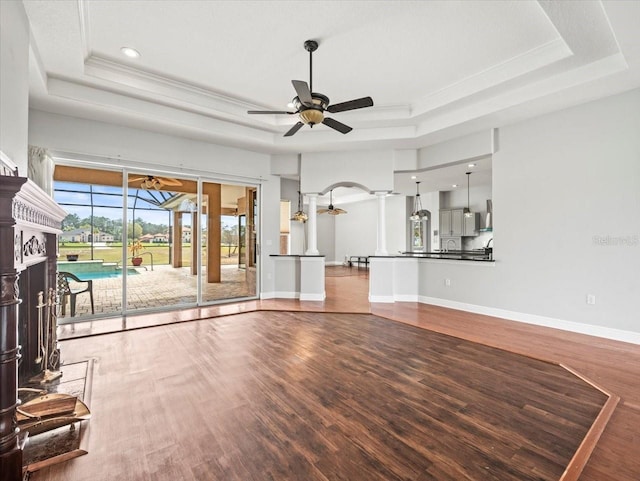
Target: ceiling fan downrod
[311, 46]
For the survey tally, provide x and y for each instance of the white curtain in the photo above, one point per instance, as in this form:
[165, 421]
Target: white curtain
[40, 168]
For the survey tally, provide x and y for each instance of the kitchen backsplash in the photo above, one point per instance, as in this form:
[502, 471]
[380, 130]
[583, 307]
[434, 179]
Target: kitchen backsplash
[477, 242]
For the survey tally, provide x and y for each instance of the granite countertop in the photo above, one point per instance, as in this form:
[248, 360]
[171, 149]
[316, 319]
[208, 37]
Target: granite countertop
[482, 255]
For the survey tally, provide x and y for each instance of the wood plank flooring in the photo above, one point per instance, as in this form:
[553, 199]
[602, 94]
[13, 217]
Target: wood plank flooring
[318, 396]
[613, 365]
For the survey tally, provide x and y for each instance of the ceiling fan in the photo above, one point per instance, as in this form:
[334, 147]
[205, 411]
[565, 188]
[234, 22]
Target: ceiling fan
[153, 182]
[331, 209]
[310, 106]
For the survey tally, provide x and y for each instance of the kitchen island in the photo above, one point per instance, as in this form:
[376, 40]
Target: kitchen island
[485, 254]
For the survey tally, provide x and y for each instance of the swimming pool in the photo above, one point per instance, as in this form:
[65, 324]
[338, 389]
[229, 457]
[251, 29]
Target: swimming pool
[91, 275]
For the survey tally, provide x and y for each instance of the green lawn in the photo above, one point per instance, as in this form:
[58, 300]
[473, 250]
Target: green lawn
[113, 253]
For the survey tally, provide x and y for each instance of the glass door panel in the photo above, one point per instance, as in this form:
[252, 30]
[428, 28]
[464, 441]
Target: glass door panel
[223, 273]
[90, 245]
[162, 219]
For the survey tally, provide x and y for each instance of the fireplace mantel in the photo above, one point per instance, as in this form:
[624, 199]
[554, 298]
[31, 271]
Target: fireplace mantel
[30, 222]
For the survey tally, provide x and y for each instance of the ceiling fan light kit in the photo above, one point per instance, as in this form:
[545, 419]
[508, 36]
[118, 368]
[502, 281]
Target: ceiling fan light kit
[310, 106]
[153, 182]
[331, 210]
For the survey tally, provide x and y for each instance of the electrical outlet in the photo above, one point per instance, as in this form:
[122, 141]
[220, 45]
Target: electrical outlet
[447, 282]
[591, 299]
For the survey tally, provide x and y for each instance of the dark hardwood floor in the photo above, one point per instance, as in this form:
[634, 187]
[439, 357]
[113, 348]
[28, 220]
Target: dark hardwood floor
[239, 407]
[320, 396]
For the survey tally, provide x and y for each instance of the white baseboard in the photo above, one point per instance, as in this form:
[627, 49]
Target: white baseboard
[387, 299]
[285, 295]
[591, 330]
[332, 263]
[313, 297]
[407, 298]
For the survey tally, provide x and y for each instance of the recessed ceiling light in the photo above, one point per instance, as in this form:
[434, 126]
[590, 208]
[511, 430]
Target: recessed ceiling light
[471, 166]
[413, 177]
[130, 52]
[454, 185]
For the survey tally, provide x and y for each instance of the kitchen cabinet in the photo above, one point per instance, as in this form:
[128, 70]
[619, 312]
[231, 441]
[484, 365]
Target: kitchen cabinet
[471, 225]
[451, 222]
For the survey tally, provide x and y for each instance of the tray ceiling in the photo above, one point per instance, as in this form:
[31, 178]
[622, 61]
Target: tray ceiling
[434, 69]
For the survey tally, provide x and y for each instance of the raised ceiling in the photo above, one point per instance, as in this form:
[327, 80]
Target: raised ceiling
[435, 69]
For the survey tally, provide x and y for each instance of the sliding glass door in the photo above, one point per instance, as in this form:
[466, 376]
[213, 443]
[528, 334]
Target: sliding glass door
[224, 265]
[90, 246]
[161, 246]
[166, 241]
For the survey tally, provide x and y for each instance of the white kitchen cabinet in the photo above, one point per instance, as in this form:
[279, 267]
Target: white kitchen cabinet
[451, 222]
[471, 225]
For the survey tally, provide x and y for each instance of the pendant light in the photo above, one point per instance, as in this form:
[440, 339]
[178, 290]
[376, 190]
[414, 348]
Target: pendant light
[331, 209]
[467, 211]
[418, 212]
[300, 215]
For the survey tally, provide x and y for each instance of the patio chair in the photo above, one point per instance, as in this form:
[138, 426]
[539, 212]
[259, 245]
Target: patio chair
[65, 290]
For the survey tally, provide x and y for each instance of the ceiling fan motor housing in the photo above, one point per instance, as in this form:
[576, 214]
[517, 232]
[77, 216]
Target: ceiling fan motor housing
[310, 106]
[313, 114]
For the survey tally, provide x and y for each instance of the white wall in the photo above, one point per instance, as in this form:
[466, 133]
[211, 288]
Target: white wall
[566, 202]
[14, 83]
[356, 231]
[478, 196]
[121, 145]
[558, 182]
[453, 151]
[326, 229]
[371, 169]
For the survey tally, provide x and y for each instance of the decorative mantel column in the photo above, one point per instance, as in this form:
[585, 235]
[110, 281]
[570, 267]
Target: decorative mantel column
[381, 249]
[10, 452]
[30, 221]
[312, 249]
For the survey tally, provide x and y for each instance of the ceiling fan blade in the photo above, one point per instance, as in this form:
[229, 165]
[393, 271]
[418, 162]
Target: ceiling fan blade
[304, 94]
[322, 211]
[351, 105]
[269, 112]
[339, 126]
[169, 181]
[294, 129]
[138, 179]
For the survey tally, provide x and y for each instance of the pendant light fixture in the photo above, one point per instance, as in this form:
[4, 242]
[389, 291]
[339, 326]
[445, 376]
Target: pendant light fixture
[300, 215]
[331, 209]
[467, 211]
[418, 212]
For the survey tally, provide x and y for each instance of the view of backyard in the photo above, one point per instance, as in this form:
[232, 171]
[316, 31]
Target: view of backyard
[112, 252]
[92, 259]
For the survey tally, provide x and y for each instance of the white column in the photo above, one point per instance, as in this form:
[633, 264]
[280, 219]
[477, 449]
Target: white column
[381, 249]
[312, 249]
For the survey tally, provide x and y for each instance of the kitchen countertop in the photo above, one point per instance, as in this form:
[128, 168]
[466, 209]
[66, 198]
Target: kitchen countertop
[473, 255]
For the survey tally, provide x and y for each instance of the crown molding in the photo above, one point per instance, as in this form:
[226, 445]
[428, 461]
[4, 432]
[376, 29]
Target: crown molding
[516, 67]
